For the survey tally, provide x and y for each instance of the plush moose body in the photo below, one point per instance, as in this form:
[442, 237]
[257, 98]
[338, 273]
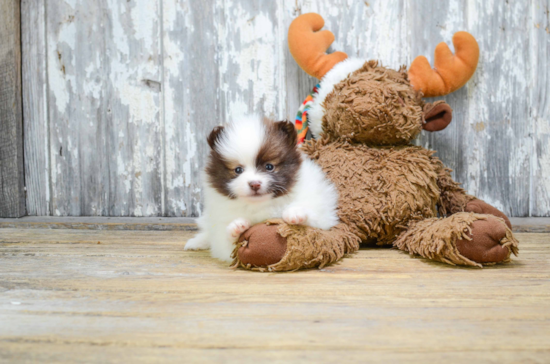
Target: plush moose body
[364, 117]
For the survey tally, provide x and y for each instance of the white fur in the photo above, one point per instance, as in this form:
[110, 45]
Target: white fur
[311, 201]
[334, 76]
[242, 139]
[237, 227]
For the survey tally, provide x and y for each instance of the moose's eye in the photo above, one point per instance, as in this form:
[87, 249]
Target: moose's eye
[269, 167]
[239, 170]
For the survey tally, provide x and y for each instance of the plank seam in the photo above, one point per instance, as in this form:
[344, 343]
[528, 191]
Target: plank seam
[47, 112]
[162, 115]
[22, 107]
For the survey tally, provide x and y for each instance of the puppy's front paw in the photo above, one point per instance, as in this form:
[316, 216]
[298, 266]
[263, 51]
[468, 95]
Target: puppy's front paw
[199, 242]
[237, 227]
[295, 216]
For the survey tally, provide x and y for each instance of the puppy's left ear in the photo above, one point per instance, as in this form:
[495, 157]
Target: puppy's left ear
[437, 116]
[214, 136]
[289, 131]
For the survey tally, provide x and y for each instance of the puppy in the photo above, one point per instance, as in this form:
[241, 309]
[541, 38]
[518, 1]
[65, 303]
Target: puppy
[256, 172]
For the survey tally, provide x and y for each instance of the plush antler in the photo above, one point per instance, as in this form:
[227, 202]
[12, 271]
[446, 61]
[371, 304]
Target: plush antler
[308, 46]
[451, 72]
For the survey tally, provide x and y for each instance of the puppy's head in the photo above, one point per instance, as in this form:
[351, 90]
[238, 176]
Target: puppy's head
[253, 159]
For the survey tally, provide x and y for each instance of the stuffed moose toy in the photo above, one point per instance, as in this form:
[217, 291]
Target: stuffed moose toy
[364, 117]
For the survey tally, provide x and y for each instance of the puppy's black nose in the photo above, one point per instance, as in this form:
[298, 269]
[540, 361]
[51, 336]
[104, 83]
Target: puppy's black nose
[255, 185]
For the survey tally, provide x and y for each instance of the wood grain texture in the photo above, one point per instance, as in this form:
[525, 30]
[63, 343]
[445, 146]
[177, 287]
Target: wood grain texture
[539, 107]
[130, 98]
[519, 224]
[489, 142]
[191, 110]
[109, 223]
[12, 183]
[35, 107]
[104, 107]
[499, 155]
[134, 296]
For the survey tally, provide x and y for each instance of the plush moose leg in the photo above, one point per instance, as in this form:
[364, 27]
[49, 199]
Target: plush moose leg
[275, 246]
[463, 238]
[481, 207]
[454, 199]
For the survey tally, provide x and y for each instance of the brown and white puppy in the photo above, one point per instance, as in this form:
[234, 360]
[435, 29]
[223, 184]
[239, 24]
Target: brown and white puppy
[255, 172]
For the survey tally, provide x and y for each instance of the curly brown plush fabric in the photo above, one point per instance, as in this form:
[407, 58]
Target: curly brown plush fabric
[391, 192]
[380, 189]
[375, 106]
[453, 198]
[437, 239]
[305, 247]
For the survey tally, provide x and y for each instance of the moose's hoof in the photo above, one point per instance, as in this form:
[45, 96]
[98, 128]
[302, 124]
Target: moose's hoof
[264, 246]
[485, 246]
[481, 207]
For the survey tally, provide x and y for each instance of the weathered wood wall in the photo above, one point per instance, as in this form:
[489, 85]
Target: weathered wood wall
[12, 184]
[120, 95]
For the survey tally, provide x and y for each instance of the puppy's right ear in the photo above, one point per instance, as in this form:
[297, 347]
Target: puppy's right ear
[289, 131]
[214, 136]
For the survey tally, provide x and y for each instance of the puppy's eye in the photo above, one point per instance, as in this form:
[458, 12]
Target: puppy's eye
[269, 167]
[239, 170]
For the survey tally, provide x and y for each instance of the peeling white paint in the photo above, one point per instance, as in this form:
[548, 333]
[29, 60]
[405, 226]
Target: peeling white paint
[141, 105]
[253, 54]
[101, 63]
[58, 63]
[144, 21]
[92, 87]
[190, 165]
[173, 56]
[119, 34]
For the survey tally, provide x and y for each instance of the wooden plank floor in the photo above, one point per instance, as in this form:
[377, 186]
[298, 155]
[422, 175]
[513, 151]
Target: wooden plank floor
[137, 296]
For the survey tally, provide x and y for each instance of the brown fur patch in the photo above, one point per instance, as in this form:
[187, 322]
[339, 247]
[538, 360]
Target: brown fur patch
[375, 105]
[217, 170]
[280, 150]
[220, 173]
[214, 136]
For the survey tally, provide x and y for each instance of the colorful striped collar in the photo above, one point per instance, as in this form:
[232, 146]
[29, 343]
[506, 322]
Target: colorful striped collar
[302, 123]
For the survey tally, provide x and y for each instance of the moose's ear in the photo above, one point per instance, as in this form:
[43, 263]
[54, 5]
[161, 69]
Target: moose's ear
[289, 131]
[437, 116]
[214, 136]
